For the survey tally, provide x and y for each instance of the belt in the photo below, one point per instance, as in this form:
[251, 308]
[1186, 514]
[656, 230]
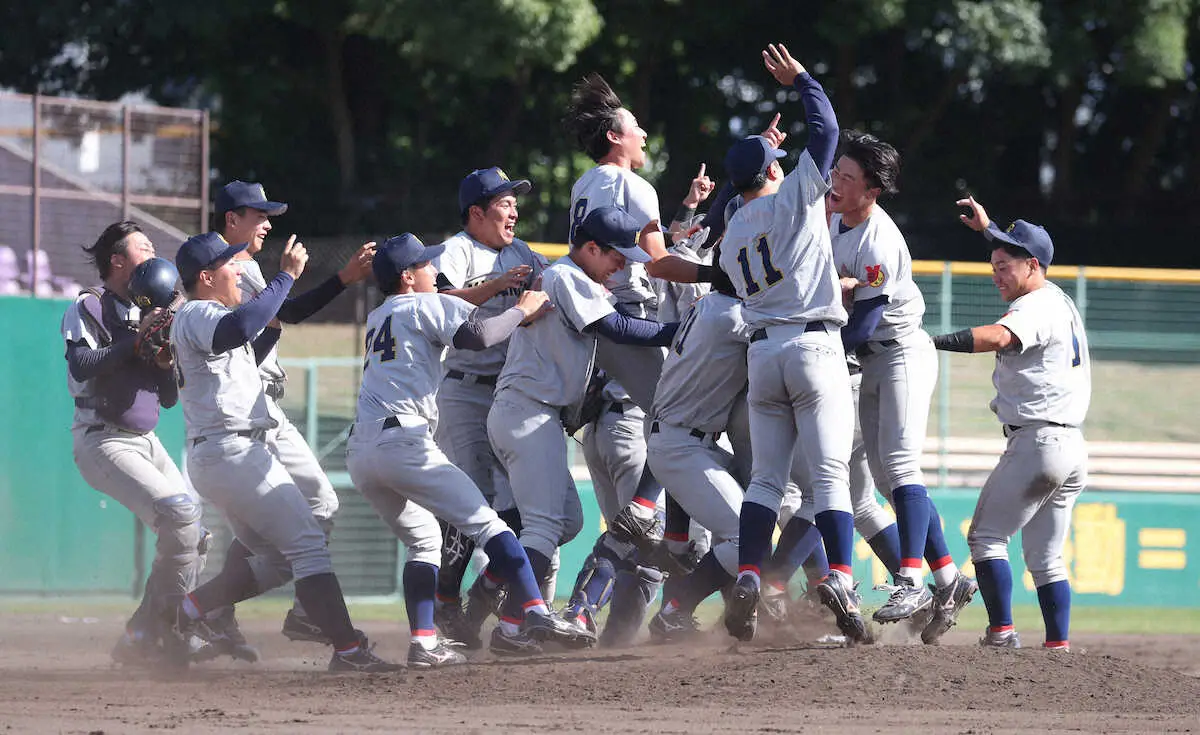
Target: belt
[1010, 428]
[865, 348]
[393, 422]
[101, 427]
[693, 432]
[247, 433]
[480, 379]
[761, 333]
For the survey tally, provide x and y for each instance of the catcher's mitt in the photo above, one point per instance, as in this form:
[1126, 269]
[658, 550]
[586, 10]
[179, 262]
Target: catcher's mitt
[587, 409]
[152, 344]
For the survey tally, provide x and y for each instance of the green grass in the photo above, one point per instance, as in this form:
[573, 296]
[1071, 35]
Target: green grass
[1099, 620]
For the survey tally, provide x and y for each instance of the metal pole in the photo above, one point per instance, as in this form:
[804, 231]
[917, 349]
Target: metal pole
[139, 557]
[204, 169]
[1081, 294]
[37, 199]
[126, 145]
[310, 404]
[947, 303]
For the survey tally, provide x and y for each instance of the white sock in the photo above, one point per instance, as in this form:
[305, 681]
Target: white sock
[428, 642]
[507, 627]
[914, 574]
[945, 575]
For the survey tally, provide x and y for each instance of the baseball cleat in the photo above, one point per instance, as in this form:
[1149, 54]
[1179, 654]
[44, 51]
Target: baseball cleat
[452, 622]
[440, 655]
[482, 602]
[948, 602]
[1000, 639]
[584, 621]
[224, 634]
[843, 601]
[301, 628]
[551, 626]
[517, 644]
[361, 660]
[774, 604]
[741, 610]
[178, 632]
[906, 599]
[643, 531]
[672, 627]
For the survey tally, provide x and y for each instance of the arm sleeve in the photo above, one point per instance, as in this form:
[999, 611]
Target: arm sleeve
[480, 334]
[299, 308]
[86, 363]
[240, 325]
[628, 330]
[864, 318]
[168, 388]
[264, 342]
[821, 120]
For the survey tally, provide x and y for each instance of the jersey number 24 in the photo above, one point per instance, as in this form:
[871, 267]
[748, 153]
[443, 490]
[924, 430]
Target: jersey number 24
[381, 341]
[771, 274]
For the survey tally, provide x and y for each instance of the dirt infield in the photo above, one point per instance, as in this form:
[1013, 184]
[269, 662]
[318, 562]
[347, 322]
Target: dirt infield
[55, 676]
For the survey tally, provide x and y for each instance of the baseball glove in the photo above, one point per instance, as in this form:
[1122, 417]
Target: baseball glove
[152, 344]
[587, 409]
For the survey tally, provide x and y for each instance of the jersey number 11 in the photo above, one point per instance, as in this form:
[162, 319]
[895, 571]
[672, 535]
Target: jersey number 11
[771, 274]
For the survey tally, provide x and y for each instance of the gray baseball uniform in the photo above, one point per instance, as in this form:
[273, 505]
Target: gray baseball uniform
[465, 394]
[548, 366]
[703, 379]
[285, 440]
[225, 408]
[777, 253]
[1043, 388]
[391, 453]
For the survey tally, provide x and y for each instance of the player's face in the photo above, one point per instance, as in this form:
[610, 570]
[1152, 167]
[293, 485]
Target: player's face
[498, 222]
[424, 277]
[138, 249]
[250, 228]
[1011, 275]
[631, 140]
[850, 192]
[223, 283]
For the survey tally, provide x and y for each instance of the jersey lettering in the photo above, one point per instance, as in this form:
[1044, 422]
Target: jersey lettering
[1076, 359]
[681, 335]
[771, 274]
[581, 208]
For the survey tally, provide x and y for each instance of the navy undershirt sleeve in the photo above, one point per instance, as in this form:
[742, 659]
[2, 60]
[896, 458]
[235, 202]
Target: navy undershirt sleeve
[264, 342]
[629, 330]
[299, 308]
[86, 363]
[168, 389]
[821, 120]
[863, 321]
[240, 325]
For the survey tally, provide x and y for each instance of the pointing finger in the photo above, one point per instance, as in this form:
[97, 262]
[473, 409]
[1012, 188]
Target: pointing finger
[701, 174]
[291, 241]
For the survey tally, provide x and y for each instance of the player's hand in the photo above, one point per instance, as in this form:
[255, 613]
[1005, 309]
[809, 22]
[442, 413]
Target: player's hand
[514, 277]
[294, 258]
[535, 305]
[773, 134]
[780, 63]
[702, 186]
[682, 235]
[978, 219]
[358, 268]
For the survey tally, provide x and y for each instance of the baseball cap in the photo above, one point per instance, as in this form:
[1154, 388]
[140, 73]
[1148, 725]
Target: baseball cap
[398, 254]
[202, 252]
[748, 158]
[237, 194]
[486, 183]
[612, 227]
[1031, 237]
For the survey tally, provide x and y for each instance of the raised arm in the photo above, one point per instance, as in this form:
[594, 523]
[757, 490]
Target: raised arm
[242, 324]
[818, 112]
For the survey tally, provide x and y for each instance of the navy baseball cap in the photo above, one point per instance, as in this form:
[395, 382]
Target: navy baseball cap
[486, 183]
[750, 157]
[237, 194]
[397, 255]
[1033, 238]
[202, 252]
[612, 227]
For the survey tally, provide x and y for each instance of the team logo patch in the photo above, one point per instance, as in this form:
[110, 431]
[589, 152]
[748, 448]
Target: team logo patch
[503, 176]
[875, 275]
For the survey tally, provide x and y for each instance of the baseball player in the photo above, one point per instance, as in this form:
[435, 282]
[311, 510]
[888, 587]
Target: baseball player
[117, 401]
[777, 252]
[218, 342]
[409, 481]
[898, 368]
[243, 212]
[703, 378]
[1043, 379]
[487, 266]
[549, 366]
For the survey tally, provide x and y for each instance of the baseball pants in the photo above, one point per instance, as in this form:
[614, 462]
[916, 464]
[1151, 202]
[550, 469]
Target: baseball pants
[1032, 489]
[298, 459]
[262, 504]
[897, 388]
[410, 483]
[528, 438]
[614, 447]
[136, 471]
[461, 433]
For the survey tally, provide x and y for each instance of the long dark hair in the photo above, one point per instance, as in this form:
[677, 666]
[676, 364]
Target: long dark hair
[110, 242]
[594, 110]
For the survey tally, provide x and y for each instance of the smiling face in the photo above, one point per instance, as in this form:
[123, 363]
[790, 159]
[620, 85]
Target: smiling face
[630, 142]
[1014, 276]
[250, 226]
[138, 249]
[600, 264]
[852, 190]
[220, 283]
[494, 224]
[421, 278]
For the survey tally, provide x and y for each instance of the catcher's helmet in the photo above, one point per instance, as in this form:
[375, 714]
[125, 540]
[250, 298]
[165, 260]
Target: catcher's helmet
[153, 283]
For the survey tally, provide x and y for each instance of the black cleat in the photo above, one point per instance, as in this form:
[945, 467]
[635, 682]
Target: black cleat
[741, 610]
